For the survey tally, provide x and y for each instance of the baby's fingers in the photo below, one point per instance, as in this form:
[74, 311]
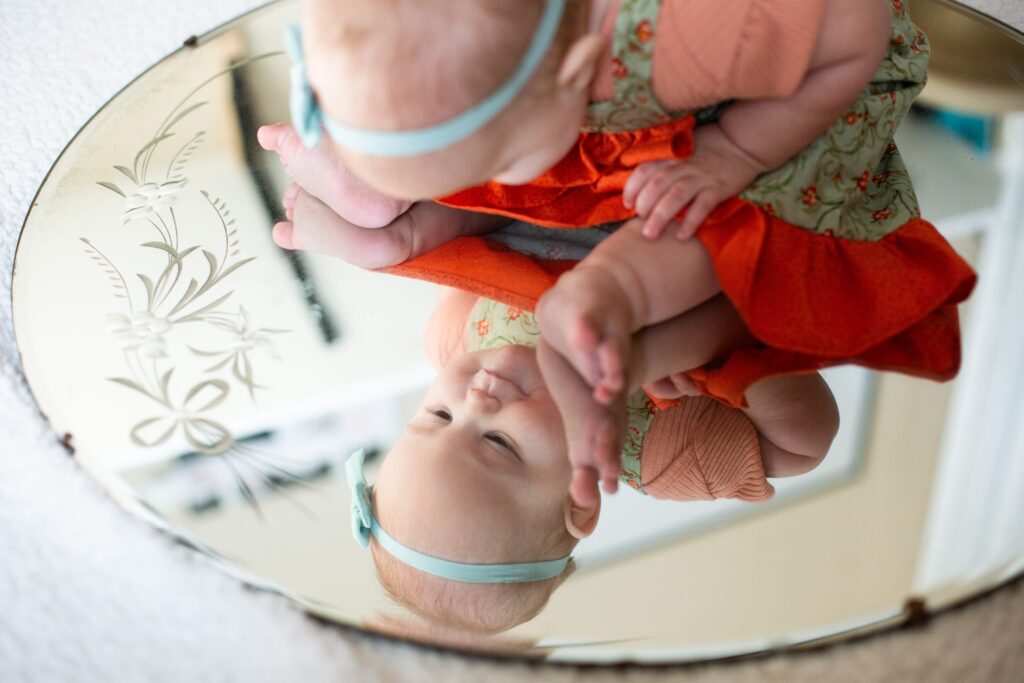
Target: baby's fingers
[639, 178]
[669, 206]
[701, 207]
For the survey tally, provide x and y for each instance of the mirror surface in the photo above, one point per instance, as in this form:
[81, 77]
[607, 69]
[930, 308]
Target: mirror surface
[215, 384]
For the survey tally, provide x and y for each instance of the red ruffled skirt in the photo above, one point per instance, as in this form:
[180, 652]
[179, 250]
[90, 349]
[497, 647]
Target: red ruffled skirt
[811, 300]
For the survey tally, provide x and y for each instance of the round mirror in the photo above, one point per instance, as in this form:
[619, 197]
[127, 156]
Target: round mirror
[216, 384]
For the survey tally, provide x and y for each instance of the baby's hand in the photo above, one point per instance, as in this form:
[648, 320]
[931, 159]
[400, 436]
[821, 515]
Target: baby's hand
[718, 170]
[594, 432]
[676, 385]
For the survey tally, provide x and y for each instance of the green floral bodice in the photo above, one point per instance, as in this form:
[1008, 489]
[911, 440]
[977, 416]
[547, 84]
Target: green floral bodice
[850, 182]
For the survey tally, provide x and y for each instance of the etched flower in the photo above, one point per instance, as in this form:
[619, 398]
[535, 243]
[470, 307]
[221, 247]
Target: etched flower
[149, 198]
[644, 31]
[851, 118]
[483, 326]
[140, 331]
[514, 313]
[881, 178]
[243, 339]
[881, 215]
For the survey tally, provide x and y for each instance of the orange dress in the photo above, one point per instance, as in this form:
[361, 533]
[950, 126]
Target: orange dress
[826, 259]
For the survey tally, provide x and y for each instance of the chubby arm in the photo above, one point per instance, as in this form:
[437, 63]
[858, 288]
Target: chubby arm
[851, 44]
[795, 415]
[755, 136]
[797, 419]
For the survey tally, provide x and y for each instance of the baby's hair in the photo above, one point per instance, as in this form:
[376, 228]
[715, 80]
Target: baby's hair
[441, 44]
[481, 608]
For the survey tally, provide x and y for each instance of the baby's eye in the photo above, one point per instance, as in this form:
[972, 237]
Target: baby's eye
[500, 440]
[441, 413]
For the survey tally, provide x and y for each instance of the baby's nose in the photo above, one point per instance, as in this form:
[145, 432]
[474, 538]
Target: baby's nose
[482, 401]
[481, 395]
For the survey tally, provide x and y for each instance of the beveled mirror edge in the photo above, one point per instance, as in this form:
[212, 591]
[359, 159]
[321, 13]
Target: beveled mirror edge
[914, 613]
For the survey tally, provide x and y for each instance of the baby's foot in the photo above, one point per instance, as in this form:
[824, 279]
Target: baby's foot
[314, 226]
[587, 318]
[321, 173]
[594, 433]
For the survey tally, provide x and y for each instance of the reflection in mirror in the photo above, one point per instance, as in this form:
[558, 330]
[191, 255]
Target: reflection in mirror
[217, 385]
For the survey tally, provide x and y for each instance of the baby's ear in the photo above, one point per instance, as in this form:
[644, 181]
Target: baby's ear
[579, 66]
[581, 517]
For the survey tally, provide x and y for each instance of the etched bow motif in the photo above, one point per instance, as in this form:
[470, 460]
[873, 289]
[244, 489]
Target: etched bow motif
[362, 513]
[306, 115]
[204, 435]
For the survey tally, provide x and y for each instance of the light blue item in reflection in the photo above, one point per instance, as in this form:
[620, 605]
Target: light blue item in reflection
[309, 119]
[364, 525]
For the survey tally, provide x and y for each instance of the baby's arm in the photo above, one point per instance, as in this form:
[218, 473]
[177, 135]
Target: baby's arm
[595, 432]
[797, 419]
[755, 136]
[795, 415]
[625, 284]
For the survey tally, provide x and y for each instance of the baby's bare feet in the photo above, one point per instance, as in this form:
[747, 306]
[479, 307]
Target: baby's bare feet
[314, 226]
[321, 173]
[588, 319]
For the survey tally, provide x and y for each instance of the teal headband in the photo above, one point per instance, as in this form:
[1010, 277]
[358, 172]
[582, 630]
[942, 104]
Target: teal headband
[364, 526]
[309, 119]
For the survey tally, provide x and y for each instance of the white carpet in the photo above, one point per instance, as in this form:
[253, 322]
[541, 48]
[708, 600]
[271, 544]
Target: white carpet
[88, 593]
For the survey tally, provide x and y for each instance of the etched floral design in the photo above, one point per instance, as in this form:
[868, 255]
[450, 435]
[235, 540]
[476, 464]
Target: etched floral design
[187, 290]
[243, 339]
[140, 331]
[149, 199]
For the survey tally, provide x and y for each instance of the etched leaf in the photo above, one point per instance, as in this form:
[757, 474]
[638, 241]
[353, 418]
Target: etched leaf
[182, 114]
[128, 173]
[150, 290]
[112, 187]
[131, 385]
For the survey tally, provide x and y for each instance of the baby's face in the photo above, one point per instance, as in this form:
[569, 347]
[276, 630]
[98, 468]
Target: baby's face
[481, 464]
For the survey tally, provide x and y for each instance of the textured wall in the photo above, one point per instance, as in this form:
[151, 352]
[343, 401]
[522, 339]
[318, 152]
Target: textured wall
[87, 593]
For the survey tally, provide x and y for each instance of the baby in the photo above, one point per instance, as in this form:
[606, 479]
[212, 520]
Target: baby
[385, 66]
[825, 257]
[480, 476]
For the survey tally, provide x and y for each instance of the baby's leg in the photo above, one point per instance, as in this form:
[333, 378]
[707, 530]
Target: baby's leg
[314, 226]
[321, 174]
[627, 283]
[594, 432]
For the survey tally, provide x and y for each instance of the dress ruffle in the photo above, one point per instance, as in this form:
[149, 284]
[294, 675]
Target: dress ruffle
[585, 188]
[811, 300]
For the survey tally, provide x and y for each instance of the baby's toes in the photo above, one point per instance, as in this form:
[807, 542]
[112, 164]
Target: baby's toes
[609, 357]
[288, 200]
